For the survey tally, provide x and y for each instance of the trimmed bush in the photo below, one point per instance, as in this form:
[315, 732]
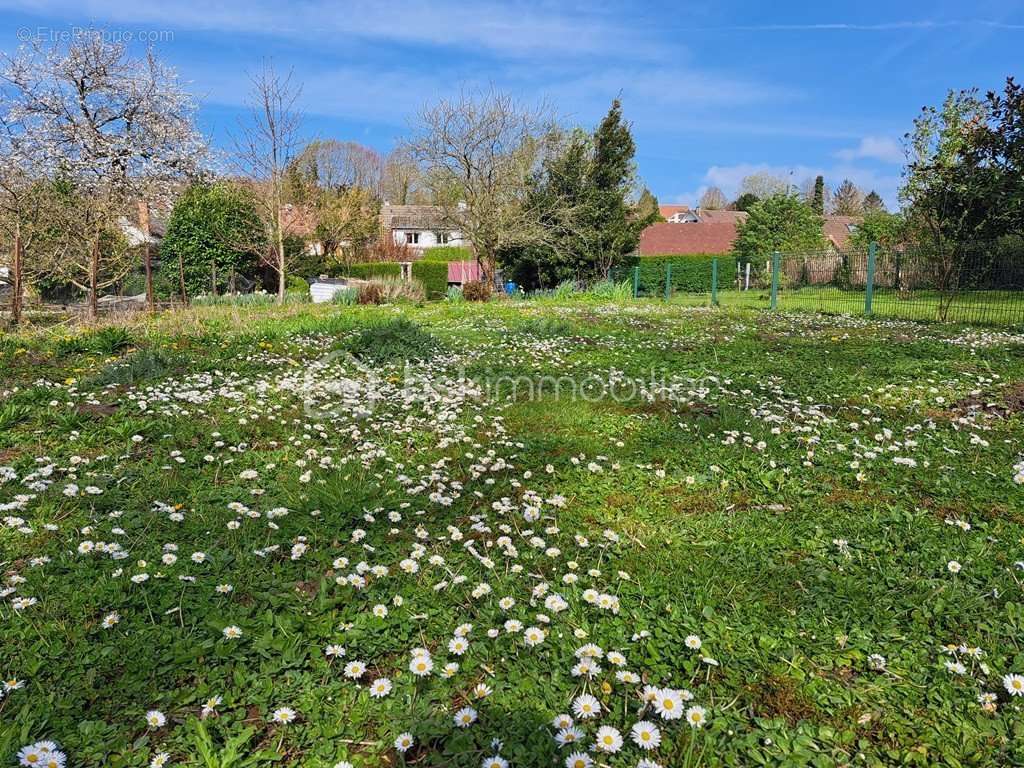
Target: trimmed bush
[448, 253]
[373, 269]
[690, 273]
[433, 275]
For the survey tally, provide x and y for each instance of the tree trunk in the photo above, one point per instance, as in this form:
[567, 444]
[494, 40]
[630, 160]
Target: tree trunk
[94, 280]
[280, 259]
[147, 257]
[181, 280]
[16, 272]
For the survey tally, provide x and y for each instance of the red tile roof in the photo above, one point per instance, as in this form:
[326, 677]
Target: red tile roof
[666, 238]
[837, 229]
[670, 210]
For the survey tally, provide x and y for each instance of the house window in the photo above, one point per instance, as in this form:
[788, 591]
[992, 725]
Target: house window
[443, 238]
[412, 238]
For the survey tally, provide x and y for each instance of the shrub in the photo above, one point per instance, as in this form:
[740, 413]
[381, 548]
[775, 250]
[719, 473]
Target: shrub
[565, 289]
[392, 340]
[370, 293]
[143, 365]
[110, 340]
[476, 291]
[454, 294]
[690, 273]
[346, 296]
[387, 290]
[386, 250]
[433, 275]
[611, 290]
[295, 284]
[205, 224]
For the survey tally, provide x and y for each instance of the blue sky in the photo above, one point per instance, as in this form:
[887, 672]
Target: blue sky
[714, 90]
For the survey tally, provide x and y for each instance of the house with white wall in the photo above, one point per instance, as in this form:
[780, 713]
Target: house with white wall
[419, 226]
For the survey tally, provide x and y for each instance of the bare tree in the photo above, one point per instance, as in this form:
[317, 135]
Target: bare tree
[120, 129]
[477, 152]
[713, 199]
[402, 182]
[847, 200]
[264, 148]
[763, 184]
[336, 166]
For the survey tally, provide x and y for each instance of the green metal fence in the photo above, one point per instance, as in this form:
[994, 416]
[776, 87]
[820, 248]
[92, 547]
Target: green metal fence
[977, 284]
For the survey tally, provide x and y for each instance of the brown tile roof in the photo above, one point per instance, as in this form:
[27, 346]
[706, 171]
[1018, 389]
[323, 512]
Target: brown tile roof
[667, 238]
[723, 217]
[413, 217]
[837, 229]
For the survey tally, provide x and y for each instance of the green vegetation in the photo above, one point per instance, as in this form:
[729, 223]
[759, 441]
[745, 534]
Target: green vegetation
[691, 273]
[235, 536]
[215, 231]
[781, 223]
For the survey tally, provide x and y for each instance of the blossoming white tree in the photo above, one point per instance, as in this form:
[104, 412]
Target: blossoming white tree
[115, 129]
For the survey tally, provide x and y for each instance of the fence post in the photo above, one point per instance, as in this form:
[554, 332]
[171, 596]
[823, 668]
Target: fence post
[668, 280]
[869, 281]
[636, 281]
[714, 281]
[776, 259]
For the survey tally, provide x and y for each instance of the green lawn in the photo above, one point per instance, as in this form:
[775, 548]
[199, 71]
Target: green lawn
[990, 308]
[803, 531]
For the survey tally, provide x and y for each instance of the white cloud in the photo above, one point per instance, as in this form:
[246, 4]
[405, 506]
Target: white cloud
[515, 30]
[882, 148]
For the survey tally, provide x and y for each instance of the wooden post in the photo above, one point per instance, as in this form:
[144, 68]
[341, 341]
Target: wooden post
[668, 280]
[16, 270]
[636, 281]
[147, 256]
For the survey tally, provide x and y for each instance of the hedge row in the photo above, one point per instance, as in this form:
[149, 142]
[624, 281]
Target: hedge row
[690, 273]
[448, 253]
[433, 274]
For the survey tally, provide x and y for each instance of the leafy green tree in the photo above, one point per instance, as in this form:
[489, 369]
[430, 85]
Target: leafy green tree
[647, 207]
[818, 198]
[781, 223]
[745, 202]
[886, 229]
[215, 231]
[873, 202]
[583, 197]
[947, 200]
[965, 183]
